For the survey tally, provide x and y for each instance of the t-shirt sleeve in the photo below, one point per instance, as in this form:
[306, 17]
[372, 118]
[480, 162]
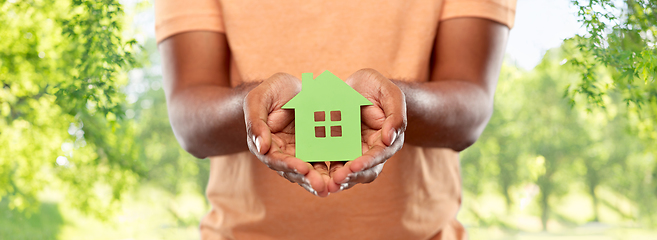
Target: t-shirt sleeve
[502, 11]
[175, 16]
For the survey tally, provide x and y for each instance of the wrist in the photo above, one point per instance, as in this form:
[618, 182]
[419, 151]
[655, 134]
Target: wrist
[244, 89]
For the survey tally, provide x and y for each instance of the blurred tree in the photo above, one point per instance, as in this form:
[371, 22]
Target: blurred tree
[169, 166]
[621, 36]
[551, 132]
[536, 138]
[556, 133]
[61, 72]
[621, 39]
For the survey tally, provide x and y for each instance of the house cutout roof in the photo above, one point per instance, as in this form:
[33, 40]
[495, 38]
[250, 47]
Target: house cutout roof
[325, 91]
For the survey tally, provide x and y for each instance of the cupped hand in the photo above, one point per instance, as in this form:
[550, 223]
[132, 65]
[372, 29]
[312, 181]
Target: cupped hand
[383, 126]
[270, 133]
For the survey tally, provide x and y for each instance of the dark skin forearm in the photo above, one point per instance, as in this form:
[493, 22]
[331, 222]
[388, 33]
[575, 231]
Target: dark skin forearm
[204, 110]
[453, 108]
[209, 120]
[448, 114]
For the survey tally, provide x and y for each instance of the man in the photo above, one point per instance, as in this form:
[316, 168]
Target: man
[429, 67]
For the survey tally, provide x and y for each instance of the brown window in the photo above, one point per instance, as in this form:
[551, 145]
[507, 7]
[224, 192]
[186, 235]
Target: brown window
[320, 132]
[336, 131]
[336, 116]
[320, 116]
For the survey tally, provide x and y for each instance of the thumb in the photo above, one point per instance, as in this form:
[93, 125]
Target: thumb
[393, 104]
[259, 137]
[255, 116]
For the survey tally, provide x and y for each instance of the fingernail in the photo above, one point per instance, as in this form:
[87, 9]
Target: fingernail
[346, 179]
[312, 190]
[309, 188]
[343, 186]
[394, 136]
[257, 143]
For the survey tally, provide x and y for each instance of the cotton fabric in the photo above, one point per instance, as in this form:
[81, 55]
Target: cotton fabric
[418, 193]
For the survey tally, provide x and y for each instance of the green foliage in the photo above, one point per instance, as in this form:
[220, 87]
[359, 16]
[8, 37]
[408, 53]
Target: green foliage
[617, 62]
[621, 38]
[98, 54]
[537, 140]
[61, 68]
[169, 166]
[63, 74]
[45, 224]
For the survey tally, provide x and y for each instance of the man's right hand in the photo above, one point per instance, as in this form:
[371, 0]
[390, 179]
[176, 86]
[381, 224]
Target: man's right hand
[270, 133]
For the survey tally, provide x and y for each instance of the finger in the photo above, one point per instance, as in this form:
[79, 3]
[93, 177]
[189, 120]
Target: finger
[316, 182]
[322, 169]
[300, 172]
[372, 116]
[283, 87]
[279, 161]
[386, 95]
[255, 117]
[372, 157]
[366, 176]
[311, 183]
[394, 107]
[375, 155]
[331, 185]
[340, 175]
[362, 78]
[293, 177]
[352, 179]
[308, 188]
[303, 181]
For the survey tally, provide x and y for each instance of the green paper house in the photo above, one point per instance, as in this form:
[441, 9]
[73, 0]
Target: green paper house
[327, 119]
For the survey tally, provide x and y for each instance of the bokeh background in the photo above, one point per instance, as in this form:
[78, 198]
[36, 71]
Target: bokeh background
[86, 150]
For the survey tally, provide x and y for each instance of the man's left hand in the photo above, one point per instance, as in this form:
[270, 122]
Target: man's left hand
[383, 126]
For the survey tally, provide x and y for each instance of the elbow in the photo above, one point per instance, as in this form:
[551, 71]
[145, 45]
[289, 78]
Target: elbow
[466, 141]
[205, 142]
[190, 146]
[471, 136]
[194, 151]
[187, 139]
[184, 124]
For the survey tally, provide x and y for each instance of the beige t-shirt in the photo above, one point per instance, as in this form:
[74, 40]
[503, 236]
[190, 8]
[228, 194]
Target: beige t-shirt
[418, 193]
